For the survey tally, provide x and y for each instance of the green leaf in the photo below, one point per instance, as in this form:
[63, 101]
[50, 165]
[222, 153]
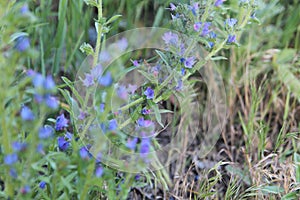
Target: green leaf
[290, 196]
[87, 49]
[297, 166]
[218, 58]
[113, 18]
[273, 189]
[150, 77]
[74, 91]
[91, 2]
[157, 114]
[288, 78]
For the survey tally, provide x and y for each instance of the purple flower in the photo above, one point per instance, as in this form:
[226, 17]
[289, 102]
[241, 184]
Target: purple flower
[144, 123]
[219, 2]
[83, 152]
[51, 102]
[82, 115]
[61, 122]
[89, 80]
[170, 38]
[45, 132]
[26, 189]
[112, 125]
[231, 39]
[145, 111]
[19, 146]
[197, 26]
[22, 43]
[189, 62]
[49, 83]
[42, 184]
[131, 143]
[105, 80]
[38, 98]
[122, 92]
[27, 114]
[13, 172]
[149, 93]
[172, 7]
[145, 147]
[231, 22]
[99, 171]
[62, 144]
[122, 44]
[135, 63]
[10, 159]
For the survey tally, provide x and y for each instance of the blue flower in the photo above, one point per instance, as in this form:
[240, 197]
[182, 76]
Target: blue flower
[219, 2]
[62, 144]
[49, 83]
[145, 111]
[211, 44]
[82, 115]
[112, 125]
[231, 22]
[61, 122]
[145, 147]
[13, 172]
[45, 132]
[22, 43]
[144, 123]
[99, 171]
[212, 35]
[189, 62]
[69, 135]
[26, 189]
[27, 114]
[202, 26]
[42, 184]
[51, 102]
[10, 159]
[131, 143]
[37, 80]
[24, 9]
[182, 71]
[19, 146]
[105, 80]
[194, 8]
[40, 149]
[179, 85]
[122, 92]
[231, 39]
[149, 93]
[83, 152]
[170, 38]
[102, 107]
[89, 80]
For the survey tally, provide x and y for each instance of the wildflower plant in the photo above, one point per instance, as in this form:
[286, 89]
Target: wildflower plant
[105, 130]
